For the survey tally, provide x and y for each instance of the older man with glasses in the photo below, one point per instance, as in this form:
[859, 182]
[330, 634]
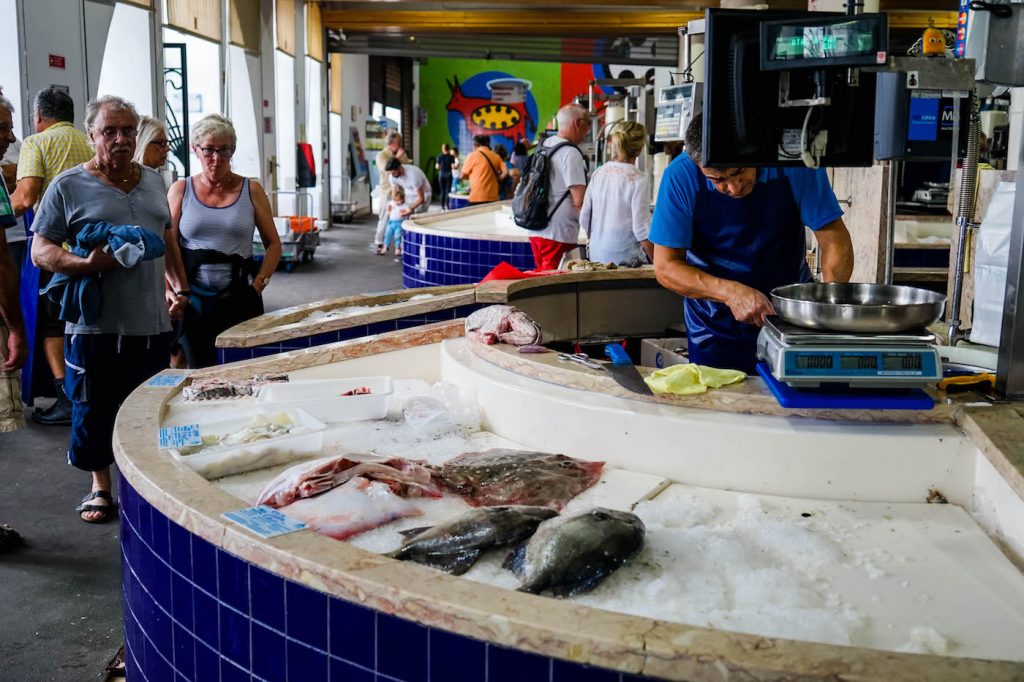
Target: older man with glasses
[108, 358]
[56, 147]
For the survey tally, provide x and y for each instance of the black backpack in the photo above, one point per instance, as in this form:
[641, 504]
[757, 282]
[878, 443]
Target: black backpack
[533, 195]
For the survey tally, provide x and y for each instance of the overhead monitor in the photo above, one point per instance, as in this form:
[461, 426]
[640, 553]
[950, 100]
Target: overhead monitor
[860, 40]
[749, 120]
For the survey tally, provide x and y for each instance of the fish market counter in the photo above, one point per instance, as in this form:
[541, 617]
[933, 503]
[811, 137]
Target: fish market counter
[462, 246]
[777, 547]
[568, 306]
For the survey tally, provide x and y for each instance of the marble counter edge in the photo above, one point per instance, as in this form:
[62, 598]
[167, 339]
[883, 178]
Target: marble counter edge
[499, 291]
[394, 304]
[748, 397]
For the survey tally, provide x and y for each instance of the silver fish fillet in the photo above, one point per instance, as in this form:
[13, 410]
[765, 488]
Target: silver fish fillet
[455, 545]
[570, 555]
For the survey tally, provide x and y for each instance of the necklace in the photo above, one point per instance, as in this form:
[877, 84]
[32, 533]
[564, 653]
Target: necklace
[131, 174]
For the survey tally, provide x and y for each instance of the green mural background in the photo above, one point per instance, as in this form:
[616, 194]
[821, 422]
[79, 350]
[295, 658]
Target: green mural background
[434, 94]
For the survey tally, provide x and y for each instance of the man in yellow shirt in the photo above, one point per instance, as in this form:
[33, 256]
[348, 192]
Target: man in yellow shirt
[484, 170]
[56, 147]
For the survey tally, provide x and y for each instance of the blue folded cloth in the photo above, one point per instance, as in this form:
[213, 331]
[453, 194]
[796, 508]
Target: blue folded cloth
[79, 295]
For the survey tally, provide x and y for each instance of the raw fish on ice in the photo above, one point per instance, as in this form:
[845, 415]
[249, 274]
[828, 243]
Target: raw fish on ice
[215, 388]
[404, 477]
[456, 544]
[501, 476]
[503, 323]
[571, 555]
[357, 506]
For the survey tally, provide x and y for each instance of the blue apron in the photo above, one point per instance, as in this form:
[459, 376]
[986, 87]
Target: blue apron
[757, 240]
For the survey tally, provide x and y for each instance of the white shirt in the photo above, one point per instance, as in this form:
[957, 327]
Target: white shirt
[567, 169]
[412, 180]
[16, 233]
[616, 212]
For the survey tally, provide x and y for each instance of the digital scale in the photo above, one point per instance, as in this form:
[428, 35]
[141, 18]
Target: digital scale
[808, 358]
[677, 105]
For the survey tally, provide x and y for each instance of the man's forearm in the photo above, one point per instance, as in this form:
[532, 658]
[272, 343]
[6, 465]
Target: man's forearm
[689, 281]
[835, 249]
[49, 256]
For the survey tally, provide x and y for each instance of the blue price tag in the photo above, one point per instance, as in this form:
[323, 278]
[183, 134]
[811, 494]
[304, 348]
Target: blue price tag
[179, 436]
[265, 521]
[166, 380]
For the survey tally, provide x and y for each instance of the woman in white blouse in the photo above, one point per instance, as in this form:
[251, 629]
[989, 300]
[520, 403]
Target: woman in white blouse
[616, 213]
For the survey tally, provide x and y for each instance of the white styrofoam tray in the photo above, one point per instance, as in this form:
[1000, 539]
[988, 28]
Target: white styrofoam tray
[323, 398]
[304, 441]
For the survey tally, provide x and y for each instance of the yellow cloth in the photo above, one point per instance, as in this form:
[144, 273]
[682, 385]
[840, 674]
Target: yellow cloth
[689, 379]
[49, 153]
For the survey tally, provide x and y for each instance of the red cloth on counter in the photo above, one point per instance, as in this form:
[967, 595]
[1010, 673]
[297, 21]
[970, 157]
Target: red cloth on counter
[505, 271]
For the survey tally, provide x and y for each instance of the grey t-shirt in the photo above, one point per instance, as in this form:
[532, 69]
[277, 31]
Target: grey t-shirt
[567, 169]
[133, 298]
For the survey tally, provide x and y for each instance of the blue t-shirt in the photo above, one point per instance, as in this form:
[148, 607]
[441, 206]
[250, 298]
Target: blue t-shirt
[672, 224]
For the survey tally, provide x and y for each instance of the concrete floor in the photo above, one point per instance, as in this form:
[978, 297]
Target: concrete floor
[60, 594]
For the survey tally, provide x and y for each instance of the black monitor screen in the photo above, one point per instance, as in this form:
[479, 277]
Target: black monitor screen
[859, 40]
[743, 122]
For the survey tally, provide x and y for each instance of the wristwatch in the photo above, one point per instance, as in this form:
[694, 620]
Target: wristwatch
[263, 281]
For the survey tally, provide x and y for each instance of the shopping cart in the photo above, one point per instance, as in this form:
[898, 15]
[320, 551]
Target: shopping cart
[342, 205]
[300, 234]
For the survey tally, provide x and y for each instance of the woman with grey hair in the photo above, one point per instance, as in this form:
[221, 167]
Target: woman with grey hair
[151, 145]
[213, 214]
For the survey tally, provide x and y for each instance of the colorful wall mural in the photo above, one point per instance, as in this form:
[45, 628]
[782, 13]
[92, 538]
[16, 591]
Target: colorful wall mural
[504, 100]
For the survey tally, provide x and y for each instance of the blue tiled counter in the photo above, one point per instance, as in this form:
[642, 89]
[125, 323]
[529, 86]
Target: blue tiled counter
[195, 612]
[292, 329]
[461, 247]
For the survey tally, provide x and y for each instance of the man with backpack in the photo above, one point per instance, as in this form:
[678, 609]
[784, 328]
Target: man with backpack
[484, 170]
[550, 195]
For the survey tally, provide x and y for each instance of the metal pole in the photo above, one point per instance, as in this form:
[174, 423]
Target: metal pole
[964, 215]
[890, 218]
[1010, 367]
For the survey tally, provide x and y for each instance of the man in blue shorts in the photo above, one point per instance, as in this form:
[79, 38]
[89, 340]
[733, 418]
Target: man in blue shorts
[725, 237]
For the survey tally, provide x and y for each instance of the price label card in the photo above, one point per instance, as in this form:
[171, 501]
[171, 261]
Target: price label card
[179, 436]
[265, 521]
[166, 380]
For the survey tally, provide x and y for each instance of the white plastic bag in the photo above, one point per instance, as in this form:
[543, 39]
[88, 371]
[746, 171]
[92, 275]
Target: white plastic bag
[990, 261]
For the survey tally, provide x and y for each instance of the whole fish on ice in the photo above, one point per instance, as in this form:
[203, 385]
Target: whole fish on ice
[503, 476]
[572, 554]
[504, 323]
[456, 544]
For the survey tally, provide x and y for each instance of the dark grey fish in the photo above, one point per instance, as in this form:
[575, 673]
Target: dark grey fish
[455, 545]
[572, 554]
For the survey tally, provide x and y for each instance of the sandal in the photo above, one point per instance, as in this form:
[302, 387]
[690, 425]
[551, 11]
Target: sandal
[107, 511]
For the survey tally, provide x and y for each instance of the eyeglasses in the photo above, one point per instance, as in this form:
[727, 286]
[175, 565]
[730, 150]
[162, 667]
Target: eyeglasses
[162, 144]
[222, 152]
[111, 133]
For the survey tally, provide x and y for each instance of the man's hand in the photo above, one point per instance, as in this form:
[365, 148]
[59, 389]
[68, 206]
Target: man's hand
[17, 350]
[99, 260]
[749, 305]
[405, 211]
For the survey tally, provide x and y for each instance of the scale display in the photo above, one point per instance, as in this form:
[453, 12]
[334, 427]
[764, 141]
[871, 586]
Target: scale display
[843, 365]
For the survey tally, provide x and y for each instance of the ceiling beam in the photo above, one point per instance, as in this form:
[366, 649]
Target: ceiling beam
[558, 22]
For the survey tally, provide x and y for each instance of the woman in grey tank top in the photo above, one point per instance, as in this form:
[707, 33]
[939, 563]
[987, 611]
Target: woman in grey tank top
[213, 216]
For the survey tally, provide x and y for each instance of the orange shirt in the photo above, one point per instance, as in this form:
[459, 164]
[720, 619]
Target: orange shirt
[482, 168]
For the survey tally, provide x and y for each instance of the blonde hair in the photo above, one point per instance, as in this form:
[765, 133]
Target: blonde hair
[398, 190]
[626, 140]
[213, 125]
[148, 128]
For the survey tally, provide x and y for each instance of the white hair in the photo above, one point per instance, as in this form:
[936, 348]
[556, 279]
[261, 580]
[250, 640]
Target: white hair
[6, 104]
[148, 128]
[213, 125]
[111, 102]
[569, 114]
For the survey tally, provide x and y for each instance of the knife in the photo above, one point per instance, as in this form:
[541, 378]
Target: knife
[622, 369]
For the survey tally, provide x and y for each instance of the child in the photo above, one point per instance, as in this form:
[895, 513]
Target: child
[396, 211]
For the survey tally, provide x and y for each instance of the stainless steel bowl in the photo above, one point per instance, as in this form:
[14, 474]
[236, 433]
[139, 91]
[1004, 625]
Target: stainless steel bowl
[858, 308]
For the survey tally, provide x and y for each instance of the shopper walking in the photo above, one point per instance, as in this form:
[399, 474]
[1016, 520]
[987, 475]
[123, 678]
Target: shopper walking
[485, 171]
[616, 213]
[443, 166]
